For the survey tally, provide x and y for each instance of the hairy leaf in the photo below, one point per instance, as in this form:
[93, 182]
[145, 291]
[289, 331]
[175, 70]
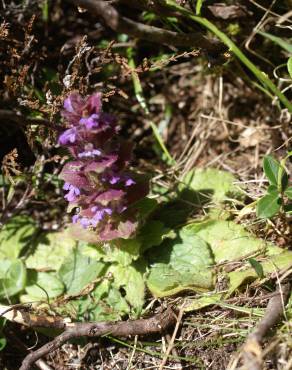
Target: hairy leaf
[153, 233]
[50, 251]
[272, 264]
[18, 233]
[46, 286]
[12, 277]
[180, 264]
[228, 240]
[130, 278]
[211, 185]
[78, 270]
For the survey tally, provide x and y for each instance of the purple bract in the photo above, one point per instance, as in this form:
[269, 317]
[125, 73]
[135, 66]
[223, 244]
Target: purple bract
[98, 187]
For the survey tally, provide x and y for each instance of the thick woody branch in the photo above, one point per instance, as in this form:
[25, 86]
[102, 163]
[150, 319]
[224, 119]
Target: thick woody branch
[155, 324]
[123, 24]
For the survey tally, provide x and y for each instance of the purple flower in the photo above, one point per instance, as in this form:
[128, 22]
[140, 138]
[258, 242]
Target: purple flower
[84, 221]
[68, 136]
[75, 219]
[129, 182]
[89, 153]
[68, 105]
[99, 213]
[90, 122]
[73, 193]
[114, 180]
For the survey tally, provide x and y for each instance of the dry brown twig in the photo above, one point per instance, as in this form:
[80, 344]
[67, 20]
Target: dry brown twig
[155, 324]
[251, 353]
[125, 25]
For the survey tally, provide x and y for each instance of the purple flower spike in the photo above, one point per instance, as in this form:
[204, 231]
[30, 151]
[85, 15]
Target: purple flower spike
[95, 179]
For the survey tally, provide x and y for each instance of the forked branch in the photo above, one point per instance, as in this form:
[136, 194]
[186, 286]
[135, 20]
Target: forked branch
[155, 324]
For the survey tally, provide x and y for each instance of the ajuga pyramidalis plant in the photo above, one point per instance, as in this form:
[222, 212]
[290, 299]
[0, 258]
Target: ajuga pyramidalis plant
[100, 189]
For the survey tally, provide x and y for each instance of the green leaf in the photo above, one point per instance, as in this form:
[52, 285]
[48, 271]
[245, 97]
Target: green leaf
[180, 264]
[271, 167]
[117, 303]
[272, 264]
[130, 278]
[146, 206]
[123, 251]
[12, 277]
[3, 343]
[211, 185]
[228, 240]
[268, 205]
[272, 188]
[202, 302]
[77, 271]
[94, 251]
[47, 285]
[105, 303]
[289, 66]
[284, 179]
[153, 233]
[277, 40]
[288, 192]
[51, 249]
[120, 292]
[275, 173]
[257, 267]
[288, 209]
[18, 233]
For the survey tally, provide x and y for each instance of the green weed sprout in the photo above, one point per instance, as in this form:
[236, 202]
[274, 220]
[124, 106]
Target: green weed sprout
[279, 193]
